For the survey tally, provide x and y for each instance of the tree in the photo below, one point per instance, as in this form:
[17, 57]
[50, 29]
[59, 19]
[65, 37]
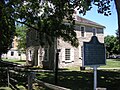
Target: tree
[47, 16]
[117, 3]
[21, 35]
[7, 29]
[111, 43]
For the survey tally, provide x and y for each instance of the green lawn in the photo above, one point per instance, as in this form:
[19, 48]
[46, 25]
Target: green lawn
[15, 61]
[82, 80]
[112, 63]
[5, 88]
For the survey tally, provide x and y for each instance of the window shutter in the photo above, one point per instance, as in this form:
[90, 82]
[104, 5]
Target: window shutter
[63, 54]
[72, 54]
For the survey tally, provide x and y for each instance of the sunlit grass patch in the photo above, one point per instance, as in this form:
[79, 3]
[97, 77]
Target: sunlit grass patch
[15, 61]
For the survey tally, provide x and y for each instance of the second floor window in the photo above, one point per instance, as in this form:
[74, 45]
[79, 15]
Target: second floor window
[82, 31]
[94, 31]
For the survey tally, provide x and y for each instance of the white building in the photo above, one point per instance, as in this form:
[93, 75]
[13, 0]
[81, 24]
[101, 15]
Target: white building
[13, 53]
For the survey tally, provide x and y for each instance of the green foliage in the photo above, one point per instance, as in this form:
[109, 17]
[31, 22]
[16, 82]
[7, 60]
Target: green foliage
[112, 44]
[21, 35]
[45, 16]
[7, 28]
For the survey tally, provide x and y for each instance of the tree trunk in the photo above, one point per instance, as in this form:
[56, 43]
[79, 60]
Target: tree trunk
[117, 3]
[27, 61]
[1, 4]
[0, 56]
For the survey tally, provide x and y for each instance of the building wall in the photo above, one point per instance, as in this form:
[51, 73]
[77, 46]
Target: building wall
[75, 53]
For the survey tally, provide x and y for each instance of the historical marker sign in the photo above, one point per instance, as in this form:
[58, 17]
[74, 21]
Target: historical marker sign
[94, 53]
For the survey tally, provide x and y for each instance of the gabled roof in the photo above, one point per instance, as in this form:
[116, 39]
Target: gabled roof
[83, 21]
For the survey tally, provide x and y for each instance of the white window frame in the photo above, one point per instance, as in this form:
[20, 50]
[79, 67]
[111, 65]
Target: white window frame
[30, 55]
[81, 31]
[71, 55]
[67, 54]
[82, 52]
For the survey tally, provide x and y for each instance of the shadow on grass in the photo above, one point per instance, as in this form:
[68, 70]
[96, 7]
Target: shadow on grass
[20, 61]
[83, 80]
[75, 80]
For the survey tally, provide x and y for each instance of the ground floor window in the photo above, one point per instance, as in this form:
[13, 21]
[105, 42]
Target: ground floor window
[19, 54]
[46, 53]
[12, 53]
[67, 54]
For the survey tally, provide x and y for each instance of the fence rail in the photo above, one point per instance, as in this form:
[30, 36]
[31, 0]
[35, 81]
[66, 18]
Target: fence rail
[50, 86]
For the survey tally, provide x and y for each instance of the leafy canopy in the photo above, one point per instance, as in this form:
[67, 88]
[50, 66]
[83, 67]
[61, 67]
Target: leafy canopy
[21, 37]
[46, 16]
[7, 29]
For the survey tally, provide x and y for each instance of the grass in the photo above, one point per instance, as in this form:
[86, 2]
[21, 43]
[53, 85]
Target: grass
[112, 63]
[83, 80]
[15, 61]
[5, 88]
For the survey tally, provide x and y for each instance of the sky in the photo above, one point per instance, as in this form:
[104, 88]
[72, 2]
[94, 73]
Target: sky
[110, 22]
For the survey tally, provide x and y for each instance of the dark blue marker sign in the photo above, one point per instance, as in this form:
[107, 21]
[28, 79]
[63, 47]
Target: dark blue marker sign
[94, 53]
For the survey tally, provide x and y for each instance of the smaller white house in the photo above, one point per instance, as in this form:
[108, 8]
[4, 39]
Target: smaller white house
[13, 53]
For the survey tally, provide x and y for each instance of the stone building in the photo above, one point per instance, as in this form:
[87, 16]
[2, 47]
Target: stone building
[68, 55]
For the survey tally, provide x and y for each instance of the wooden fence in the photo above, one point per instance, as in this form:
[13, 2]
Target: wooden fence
[16, 70]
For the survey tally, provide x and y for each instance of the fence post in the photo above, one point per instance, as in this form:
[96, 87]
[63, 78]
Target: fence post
[56, 69]
[8, 76]
[30, 77]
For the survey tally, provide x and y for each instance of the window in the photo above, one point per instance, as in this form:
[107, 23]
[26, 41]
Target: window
[67, 54]
[12, 53]
[81, 52]
[94, 31]
[46, 54]
[12, 45]
[19, 54]
[36, 35]
[100, 31]
[82, 31]
[30, 55]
